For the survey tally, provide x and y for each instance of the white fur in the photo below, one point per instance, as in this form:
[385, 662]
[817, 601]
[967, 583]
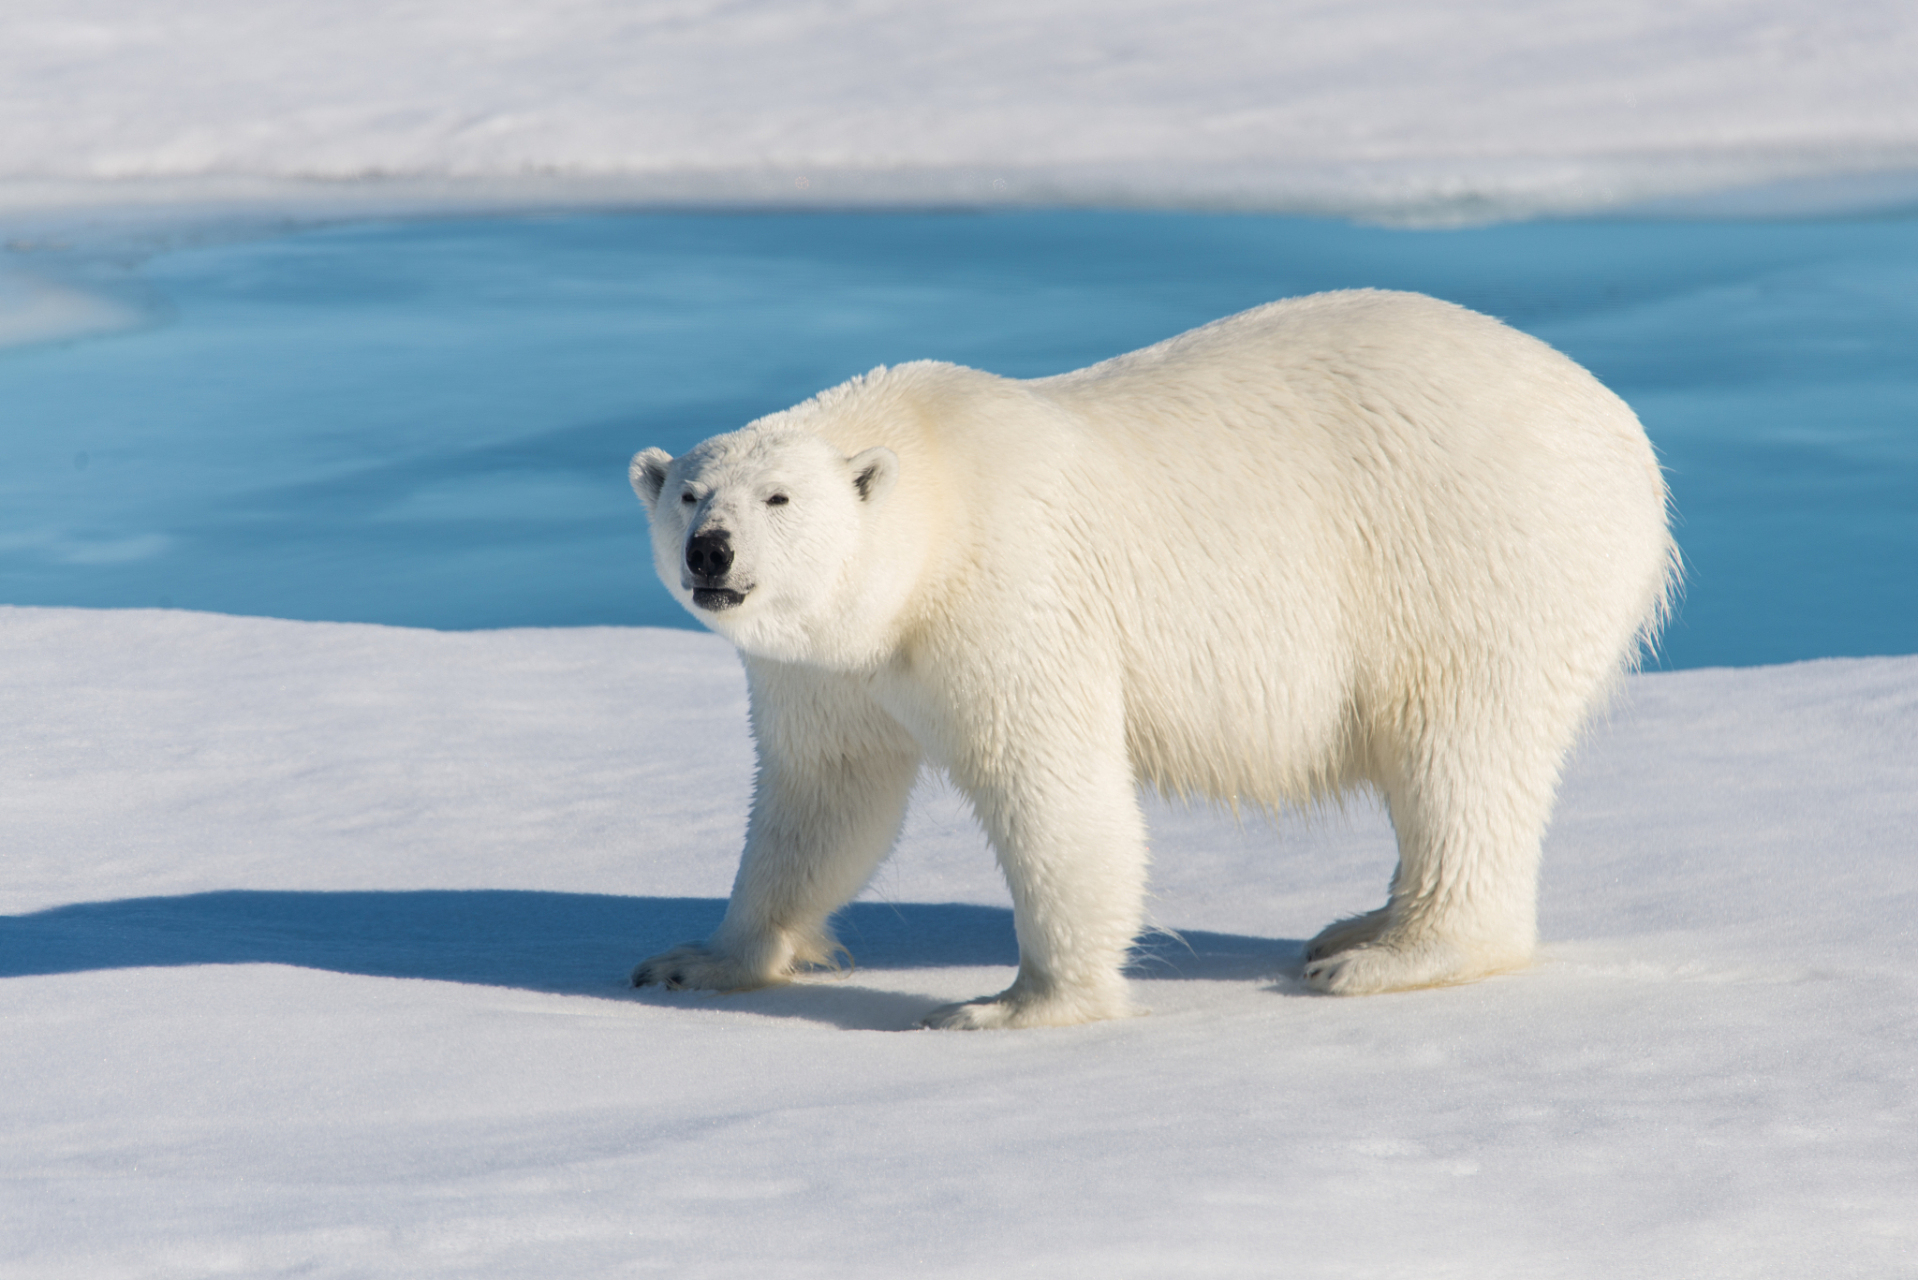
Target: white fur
[1355, 539]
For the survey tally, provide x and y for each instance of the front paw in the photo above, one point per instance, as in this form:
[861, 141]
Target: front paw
[986, 1014]
[1014, 1009]
[697, 967]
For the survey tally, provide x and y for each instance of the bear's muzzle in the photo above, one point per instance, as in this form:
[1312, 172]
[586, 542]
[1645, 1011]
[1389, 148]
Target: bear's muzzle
[709, 559]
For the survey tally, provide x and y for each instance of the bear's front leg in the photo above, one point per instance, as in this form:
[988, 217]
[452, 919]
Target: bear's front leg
[835, 773]
[1062, 812]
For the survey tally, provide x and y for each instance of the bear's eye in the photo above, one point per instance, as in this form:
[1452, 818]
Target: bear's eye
[778, 500]
[688, 498]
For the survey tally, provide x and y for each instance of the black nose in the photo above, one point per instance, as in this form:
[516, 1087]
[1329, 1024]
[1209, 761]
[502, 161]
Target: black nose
[710, 554]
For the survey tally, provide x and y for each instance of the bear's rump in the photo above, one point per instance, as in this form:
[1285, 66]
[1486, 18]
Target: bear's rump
[1314, 571]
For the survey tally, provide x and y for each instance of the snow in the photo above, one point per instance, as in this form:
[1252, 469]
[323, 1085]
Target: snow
[1396, 108]
[314, 938]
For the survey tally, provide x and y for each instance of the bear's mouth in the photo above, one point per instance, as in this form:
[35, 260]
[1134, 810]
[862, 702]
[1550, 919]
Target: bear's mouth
[718, 599]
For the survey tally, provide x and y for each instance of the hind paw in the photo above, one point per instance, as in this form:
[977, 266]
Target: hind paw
[1384, 965]
[1353, 931]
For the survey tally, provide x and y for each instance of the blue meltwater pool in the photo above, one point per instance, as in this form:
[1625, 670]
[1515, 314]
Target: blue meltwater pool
[427, 422]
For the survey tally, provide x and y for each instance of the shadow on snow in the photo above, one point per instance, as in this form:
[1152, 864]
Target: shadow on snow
[566, 943]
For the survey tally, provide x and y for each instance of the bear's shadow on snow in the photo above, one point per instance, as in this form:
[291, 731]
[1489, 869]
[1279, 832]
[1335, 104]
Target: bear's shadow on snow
[565, 943]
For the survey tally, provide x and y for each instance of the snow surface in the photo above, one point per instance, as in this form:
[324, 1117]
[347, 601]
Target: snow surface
[314, 935]
[1391, 107]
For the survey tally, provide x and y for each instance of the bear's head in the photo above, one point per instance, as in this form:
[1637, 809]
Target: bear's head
[767, 535]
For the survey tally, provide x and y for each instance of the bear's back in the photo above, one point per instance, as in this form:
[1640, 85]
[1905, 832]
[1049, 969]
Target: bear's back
[1282, 530]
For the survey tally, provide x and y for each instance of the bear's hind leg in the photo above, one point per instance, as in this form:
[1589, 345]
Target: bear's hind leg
[1464, 898]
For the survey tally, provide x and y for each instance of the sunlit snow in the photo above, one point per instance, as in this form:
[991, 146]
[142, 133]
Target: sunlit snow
[313, 933]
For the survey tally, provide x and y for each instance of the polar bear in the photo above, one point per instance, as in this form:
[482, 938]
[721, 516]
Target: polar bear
[1358, 539]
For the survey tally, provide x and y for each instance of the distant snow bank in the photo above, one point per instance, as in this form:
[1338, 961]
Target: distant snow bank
[1381, 108]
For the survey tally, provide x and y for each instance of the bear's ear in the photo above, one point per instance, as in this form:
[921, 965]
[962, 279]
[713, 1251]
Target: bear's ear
[873, 472]
[648, 473]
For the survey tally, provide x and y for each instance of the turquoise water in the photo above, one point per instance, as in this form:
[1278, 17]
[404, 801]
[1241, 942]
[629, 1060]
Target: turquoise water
[427, 423]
